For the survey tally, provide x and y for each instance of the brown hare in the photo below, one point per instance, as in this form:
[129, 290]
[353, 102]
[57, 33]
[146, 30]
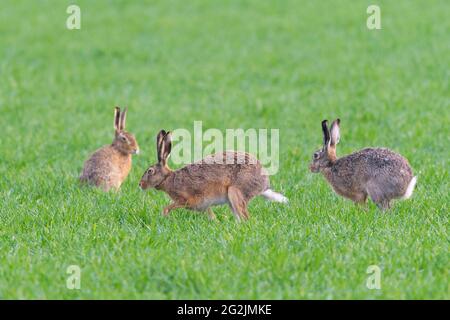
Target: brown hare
[109, 166]
[230, 177]
[379, 173]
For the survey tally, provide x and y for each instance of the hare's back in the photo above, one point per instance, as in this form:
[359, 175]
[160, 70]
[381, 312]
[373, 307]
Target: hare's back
[229, 168]
[232, 162]
[376, 162]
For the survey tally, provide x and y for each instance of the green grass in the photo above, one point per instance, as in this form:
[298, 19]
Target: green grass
[252, 64]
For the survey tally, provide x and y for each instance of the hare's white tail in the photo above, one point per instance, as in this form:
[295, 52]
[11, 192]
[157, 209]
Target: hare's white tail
[274, 196]
[410, 189]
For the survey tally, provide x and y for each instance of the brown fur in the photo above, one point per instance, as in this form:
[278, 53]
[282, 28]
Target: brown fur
[206, 183]
[376, 172]
[109, 166]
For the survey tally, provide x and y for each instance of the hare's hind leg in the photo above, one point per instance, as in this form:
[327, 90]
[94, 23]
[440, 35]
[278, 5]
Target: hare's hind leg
[384, 204]
[238, 203]
[171, 207]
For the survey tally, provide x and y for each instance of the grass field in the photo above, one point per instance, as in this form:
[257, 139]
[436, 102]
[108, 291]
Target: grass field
[252, 64]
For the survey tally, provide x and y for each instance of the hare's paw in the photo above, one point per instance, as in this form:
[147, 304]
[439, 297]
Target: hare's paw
[211, 215]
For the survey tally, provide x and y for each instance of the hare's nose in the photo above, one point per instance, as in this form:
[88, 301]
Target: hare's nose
[142, 185]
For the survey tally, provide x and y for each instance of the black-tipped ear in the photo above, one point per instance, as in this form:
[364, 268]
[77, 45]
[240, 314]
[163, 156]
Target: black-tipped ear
[117, 119]
[159, 142]
[335, 132]
[166, 147]
[326, 133]
[123, 119]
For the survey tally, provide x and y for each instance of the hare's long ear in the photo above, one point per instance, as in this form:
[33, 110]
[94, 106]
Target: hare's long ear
[123, 119]
[326, 133]
[159, 142]
[166, 148]
[335, 132]
[117, 119]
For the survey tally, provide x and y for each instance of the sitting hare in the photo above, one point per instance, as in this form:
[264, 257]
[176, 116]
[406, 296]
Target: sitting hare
[376, 172]
[109, 166]
[229, 177]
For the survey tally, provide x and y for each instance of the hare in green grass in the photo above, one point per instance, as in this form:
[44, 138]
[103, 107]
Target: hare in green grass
[379, 173]
[229, 177]
[109, 166]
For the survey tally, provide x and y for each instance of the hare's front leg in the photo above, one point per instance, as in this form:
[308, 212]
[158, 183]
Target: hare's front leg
[172, 206]
[361, 200]
[211, 214]
[378, 196]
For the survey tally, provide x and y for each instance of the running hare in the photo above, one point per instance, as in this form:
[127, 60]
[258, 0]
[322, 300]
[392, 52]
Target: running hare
[109, 166]
[229, 177]
[376, 172]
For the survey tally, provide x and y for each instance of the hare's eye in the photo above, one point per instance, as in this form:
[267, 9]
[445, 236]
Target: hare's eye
[316, 155]
[123, 138]
[151, 171]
